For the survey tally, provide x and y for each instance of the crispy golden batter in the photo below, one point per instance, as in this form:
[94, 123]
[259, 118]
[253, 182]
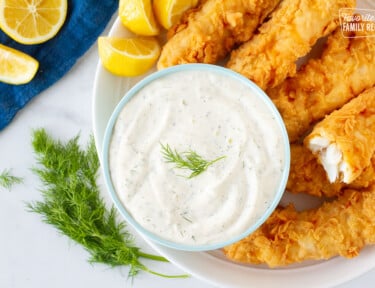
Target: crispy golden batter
[342, 227]
[308, 176]
[344, 142]
[269, 57]
[345, 69]
[208, 33]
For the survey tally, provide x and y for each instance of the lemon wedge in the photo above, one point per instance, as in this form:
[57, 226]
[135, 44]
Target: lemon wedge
[32, 21]
[138, 17]
[128, 56]
[16, 67]
[169, 12]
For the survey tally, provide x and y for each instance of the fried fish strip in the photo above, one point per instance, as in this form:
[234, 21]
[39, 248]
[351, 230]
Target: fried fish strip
[344, 142]
[208, 33]
[345, 69]
[269, 57]
[307, 175]
[342, 227]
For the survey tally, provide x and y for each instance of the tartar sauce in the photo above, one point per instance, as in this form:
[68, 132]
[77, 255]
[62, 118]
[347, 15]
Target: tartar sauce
[213, 115]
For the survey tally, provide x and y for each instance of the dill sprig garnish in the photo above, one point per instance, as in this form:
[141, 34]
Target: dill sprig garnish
[187, 160]
[7, 180]
[72, 204]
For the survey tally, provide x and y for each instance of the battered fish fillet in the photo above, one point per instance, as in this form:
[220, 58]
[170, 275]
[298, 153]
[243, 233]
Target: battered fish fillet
[308, 176]
[342, 227]
[344, 142]
[208, 33]
[269, 57]
[345, 69]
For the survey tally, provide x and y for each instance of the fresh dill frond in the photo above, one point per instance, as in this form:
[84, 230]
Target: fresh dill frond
[72, 204]
[187, 160]
[7, 180]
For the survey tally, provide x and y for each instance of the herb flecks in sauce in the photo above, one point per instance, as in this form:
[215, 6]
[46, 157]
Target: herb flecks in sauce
[187, 160]
[222, 116]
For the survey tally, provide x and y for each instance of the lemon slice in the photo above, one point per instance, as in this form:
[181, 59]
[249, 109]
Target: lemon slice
[128, 56]
[16, 67]
[138, 17]
[32, 21]
[168, 12]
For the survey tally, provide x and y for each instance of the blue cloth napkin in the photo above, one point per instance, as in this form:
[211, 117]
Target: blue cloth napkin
[86, 19]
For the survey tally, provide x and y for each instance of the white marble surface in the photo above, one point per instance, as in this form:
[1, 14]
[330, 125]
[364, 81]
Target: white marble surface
[32, 253]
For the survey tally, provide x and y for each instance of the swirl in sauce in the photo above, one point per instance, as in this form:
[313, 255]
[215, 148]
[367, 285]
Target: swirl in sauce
[214, 115]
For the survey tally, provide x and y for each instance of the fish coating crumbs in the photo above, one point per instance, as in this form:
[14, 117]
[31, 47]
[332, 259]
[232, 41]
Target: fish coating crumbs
[206, 34]
[345, 69]
[342, 227]
[295, 26]
[344, 142]
[308, 176]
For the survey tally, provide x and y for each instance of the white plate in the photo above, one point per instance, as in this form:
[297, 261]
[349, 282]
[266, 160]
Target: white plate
[213, 267]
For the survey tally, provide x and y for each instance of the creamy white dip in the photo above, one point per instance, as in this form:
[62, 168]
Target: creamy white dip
[213, 115]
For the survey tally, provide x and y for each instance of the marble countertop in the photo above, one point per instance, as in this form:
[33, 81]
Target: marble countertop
[32, 253]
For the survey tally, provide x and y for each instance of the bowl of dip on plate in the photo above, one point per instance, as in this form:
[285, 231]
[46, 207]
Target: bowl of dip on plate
[195, 157]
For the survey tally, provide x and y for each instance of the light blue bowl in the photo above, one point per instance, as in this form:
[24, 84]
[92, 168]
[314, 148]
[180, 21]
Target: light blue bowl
[138, 87]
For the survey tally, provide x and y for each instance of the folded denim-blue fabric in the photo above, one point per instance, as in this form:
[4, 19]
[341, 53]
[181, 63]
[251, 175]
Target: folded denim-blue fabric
[86, 19]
